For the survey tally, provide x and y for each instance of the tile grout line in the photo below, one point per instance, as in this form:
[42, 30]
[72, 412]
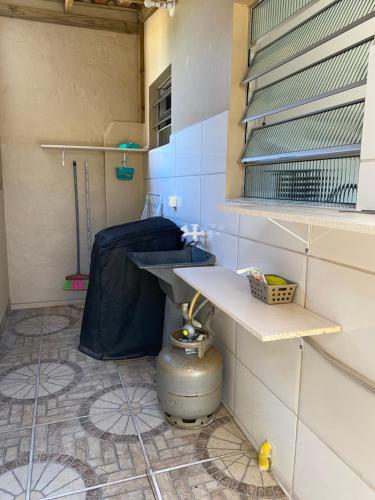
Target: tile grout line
[103, 485]
[98, 486]
[296, 434]
[149, 473]
[267, 387]
[154, 485]
[251, 440]
[18, 429]
[334, 452]
[198, 462]
[32, 441]
[133, 418]
[155, 488]
[154, 473]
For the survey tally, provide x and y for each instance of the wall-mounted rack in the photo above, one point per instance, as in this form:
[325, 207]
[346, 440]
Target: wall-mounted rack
[68, 147]
[99, 149]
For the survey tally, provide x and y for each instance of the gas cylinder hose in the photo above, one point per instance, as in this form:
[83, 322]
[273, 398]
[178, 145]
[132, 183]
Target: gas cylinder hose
[192, 305]
[209, 315]
[199, 308]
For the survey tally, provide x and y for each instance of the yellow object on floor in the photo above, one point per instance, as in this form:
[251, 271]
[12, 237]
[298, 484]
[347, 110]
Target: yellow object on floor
[264, 456]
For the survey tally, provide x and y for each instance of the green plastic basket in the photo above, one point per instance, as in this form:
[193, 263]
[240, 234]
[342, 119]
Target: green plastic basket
[124, 173]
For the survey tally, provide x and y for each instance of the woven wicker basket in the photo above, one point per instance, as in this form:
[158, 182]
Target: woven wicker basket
[272, 294]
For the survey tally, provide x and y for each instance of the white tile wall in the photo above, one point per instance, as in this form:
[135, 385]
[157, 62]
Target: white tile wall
[180, 222]
[189, 150]
[229, 374]
[261, 380]
[224, 246]
[161, 161]
[351, 249]
[214, 144]
[213, 193]
[276, 364]
[188, 192]
[165, 187]
[262, 230]
[274, 261]
[265, 417]
[224, 329]
[335, 415]
[347, 297]
[321, 475]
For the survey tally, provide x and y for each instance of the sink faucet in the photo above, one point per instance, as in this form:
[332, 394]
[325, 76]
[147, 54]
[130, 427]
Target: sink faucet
[195, 233]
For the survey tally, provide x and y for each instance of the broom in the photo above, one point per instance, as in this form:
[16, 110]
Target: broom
[76, 281]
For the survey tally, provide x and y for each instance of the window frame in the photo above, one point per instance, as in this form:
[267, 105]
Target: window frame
[161, 120]
[352, 35]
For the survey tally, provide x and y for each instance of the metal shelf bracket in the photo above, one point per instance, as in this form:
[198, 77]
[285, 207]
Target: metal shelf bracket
[307, 242]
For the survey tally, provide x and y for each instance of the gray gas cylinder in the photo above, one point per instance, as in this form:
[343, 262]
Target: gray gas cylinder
[189, 380]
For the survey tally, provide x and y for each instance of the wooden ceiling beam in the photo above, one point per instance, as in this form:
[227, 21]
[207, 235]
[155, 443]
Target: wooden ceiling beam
[68, 19]
[68, 5]
[123, 3]
[145, 13]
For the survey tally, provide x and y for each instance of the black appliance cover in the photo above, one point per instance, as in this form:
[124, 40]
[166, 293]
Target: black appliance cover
[124, 309]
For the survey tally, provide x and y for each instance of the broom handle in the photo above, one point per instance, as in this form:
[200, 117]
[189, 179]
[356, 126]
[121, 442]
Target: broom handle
[88, 210]
[77, 215]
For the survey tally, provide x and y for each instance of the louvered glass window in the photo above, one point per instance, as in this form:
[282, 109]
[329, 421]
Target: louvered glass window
[304, 124]
[322, 26]
[269, 13]
[328, 182]
[163, 107]
[328, 77]
[329, 130]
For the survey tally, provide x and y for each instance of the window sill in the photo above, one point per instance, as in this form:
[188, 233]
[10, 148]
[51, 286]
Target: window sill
[332, 218]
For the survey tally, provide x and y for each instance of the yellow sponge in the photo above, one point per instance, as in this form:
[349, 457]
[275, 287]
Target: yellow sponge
[264, 456]
[275, 280]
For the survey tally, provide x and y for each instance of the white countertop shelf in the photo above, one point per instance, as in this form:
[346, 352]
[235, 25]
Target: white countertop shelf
[231, 293]
[331, 218]
[70, 147]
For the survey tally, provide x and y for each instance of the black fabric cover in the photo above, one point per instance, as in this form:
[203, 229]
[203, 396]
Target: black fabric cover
[124, 309]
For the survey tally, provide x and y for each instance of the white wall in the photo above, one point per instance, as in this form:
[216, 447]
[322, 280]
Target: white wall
[197, 42]
[336, 432]
[61, 85]
[4, 284]
[320, 423]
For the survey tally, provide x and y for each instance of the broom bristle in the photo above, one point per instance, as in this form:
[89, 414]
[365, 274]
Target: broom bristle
[76, 285]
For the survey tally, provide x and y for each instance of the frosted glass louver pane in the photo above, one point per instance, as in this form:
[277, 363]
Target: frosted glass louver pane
[270, 13]
[337, 127]
[328, 76]
[331, 181]
[313, 31]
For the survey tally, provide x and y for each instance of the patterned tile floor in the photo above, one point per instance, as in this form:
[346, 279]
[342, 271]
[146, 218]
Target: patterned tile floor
[72, 427]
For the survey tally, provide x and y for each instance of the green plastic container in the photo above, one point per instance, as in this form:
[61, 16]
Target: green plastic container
[125, 173]
[129, 145]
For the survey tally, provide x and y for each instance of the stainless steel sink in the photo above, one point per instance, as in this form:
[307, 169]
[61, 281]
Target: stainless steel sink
[162, 264]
